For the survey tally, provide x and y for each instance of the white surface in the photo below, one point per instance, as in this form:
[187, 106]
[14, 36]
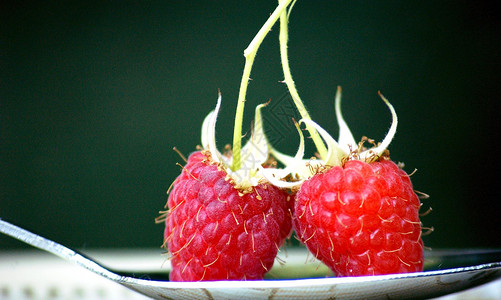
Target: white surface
[489, 291]
[39, 275]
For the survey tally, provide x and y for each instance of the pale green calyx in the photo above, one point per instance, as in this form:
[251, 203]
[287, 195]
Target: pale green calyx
[254, 154]
[337, 153]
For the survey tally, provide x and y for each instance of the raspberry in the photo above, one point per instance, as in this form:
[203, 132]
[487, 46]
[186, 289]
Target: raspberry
[361, 219]
[215, 232]
[355, 209]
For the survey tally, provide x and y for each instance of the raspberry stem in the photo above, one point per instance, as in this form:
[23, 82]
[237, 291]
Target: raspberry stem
[250, 54]
[283, 38]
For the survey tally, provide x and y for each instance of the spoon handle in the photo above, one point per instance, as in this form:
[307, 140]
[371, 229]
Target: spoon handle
[55, 248]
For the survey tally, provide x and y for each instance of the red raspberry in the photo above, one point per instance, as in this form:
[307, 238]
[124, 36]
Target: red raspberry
[214, 231]
[361, 219]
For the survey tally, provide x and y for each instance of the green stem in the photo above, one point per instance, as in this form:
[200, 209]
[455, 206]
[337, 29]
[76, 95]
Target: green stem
[284, 37]
[250, 55]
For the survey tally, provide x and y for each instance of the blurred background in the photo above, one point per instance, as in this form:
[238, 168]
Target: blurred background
[94, 96]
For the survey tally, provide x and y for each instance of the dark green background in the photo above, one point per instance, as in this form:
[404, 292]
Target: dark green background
[93, 96]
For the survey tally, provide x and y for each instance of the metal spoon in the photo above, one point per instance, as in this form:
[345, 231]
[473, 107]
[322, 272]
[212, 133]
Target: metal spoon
[481, 267]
